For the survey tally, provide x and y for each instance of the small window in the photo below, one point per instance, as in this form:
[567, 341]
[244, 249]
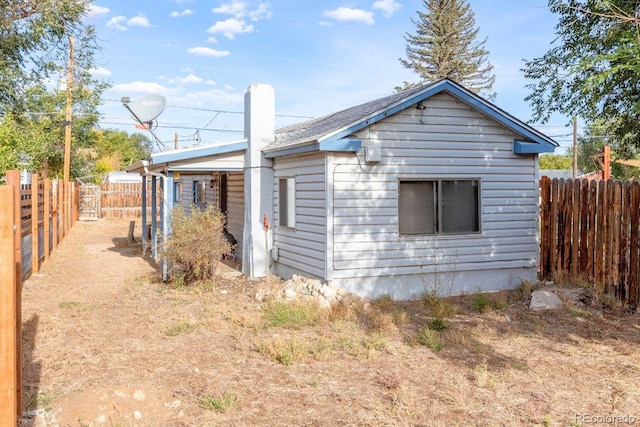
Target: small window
[438, 207]
[177, 191]
[287, 200]
[199, 188]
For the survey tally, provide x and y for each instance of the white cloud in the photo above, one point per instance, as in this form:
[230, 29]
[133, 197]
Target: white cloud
[99, 71]
[212, 40]
[325, 23]
[208, 97]
[230, 28]
[235, 8]
[116, 23]
[207, 51]
[261, 12]
[95, 10]
[387, 7]
[346, 14]
[239, 10]
[141, 87]
[139, 21]
[191, 78]
[212, 83]
[176, 14]
[229, 87]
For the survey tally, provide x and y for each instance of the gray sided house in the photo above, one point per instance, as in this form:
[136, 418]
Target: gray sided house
[433, 187]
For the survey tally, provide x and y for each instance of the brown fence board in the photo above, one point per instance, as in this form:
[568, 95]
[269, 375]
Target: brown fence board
[591, 230]
[123, 200]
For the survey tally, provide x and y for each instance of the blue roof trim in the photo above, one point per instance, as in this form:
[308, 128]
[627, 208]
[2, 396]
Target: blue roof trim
[460, 93]
[301, 149]
[343, 144]
[351, 144]
[212, 150]
[527, 147]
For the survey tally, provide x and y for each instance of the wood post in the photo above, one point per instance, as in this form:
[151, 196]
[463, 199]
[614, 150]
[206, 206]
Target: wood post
[9, 338]
[13, 178]
[46, 195]
[55, 200]
[35, 250]
[606, 162]
[61, 209]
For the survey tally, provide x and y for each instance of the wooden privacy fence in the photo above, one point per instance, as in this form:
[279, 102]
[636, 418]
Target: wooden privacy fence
[123, 200]
[34, 218]
[591, 230]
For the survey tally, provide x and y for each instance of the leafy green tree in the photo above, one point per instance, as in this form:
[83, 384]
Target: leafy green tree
[119, 149]
[593, 71]
[34, 41]
[445, 45]
[35, 37]
[556, 162]
[590, 147]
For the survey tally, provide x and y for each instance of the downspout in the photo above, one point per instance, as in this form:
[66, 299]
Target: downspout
[165, 212]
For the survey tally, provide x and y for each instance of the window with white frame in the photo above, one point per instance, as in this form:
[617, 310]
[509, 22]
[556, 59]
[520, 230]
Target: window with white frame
[438, 207]
[199, 189]
[287, 202]
[177, 191]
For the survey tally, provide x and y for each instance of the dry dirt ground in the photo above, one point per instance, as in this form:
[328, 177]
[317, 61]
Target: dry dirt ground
[106, 343]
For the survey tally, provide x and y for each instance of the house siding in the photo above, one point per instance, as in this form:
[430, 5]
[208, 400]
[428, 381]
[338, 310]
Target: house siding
[235, 215]
[302, 249]
[446, 140]
[235, 208]
[187, 191]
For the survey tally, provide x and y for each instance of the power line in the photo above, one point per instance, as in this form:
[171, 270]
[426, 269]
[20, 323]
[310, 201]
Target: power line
[293, 116]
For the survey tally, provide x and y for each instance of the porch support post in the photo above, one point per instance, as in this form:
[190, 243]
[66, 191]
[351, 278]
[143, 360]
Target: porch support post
[145, 234]
[259, 130]
[167, 205]
[154, 218]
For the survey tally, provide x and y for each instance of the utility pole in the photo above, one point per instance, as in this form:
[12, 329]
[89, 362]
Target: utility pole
[67, 137]
[175, 141]
[575, 147]
[67, 119]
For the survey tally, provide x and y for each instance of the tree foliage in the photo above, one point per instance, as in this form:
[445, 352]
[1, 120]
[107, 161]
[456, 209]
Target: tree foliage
[114, 150]
[556, 162]
[445, 45]
[35, 37]
[34, 44]
[590, 146]
[593, 68]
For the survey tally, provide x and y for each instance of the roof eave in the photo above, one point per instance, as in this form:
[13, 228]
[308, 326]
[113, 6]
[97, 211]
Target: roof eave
[457, 91]
[194, 153]
[347, 144]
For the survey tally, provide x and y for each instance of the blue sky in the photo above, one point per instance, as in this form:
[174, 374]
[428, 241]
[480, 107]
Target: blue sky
[320, 57]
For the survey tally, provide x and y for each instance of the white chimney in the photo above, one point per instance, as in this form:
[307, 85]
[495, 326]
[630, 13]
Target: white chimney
[259, 130]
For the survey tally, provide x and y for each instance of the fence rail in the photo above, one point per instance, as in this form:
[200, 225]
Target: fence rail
[591, 229]
[34, 218]
[123, 200]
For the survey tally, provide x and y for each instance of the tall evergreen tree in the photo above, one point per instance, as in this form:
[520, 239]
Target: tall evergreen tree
[445, 45]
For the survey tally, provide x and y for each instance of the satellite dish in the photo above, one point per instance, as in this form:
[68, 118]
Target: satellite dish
[147, 108]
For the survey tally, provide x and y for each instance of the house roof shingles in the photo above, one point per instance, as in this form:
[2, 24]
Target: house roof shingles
[312, 130]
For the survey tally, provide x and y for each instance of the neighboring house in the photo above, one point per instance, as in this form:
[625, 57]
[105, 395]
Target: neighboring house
[120, 178]
[558, 173]
[433, 187]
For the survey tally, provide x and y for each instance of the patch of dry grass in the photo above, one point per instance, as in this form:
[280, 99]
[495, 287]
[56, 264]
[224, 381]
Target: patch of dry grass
[357, 363]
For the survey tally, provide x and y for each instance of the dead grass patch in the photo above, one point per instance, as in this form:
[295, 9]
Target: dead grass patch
[357, 363]
[292, 314]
